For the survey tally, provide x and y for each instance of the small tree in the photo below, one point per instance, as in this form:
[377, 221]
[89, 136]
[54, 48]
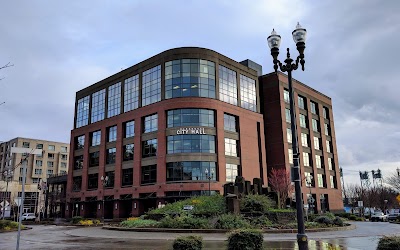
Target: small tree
[394, 181]
[280, 182]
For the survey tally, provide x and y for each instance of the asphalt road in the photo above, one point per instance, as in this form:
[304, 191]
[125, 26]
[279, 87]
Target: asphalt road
[364, 237]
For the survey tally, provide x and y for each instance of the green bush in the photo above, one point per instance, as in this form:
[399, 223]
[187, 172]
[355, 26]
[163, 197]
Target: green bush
[231, 221]
[338, 221]
[260, 221]
[324, 220]
[245, 239]
[191, 242]
[389, 243]
[184, 221]
[76, 219]
[330, 215]
[255, 203]
[8, 225]
[138, 223]
[352, 217]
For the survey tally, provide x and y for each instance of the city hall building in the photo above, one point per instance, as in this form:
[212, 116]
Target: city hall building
[184, 123]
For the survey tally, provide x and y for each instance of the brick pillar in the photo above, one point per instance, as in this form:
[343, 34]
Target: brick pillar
[161, 152]
[137, 154]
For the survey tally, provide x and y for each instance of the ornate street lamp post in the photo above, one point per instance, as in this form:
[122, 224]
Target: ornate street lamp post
[209, 177]
[104, 182]
[274, 41]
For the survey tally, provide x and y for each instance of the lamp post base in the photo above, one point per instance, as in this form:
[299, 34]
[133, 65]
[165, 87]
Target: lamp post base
[302, 241]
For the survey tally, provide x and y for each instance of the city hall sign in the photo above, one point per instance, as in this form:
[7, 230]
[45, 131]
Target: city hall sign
[191, 131]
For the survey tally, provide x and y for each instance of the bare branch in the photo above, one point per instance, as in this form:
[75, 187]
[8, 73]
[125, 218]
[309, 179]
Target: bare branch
[7, 65]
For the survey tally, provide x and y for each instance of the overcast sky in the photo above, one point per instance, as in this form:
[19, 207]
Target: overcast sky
[60, 47]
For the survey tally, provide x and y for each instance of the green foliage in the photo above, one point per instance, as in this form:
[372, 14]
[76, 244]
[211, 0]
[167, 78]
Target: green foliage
[231, 221]
[211, 205]
[324, 220]
[260, 222]
[330, 215]
[245, 239]
[184, 221]
[76, 219]
[255, 203]
[389, 243]
[191, 242]
[338, 221]
[9, 225]
[138, 223]
[280, 210]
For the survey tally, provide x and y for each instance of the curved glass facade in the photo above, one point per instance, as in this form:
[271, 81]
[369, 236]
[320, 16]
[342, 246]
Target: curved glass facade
[190, 170]
[189, 77]
[227, 85]
[190, 117]
[248, 93]
[190, 144]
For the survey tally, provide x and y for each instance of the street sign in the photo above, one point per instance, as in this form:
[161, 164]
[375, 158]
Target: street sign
[188, 207]
[306, 206]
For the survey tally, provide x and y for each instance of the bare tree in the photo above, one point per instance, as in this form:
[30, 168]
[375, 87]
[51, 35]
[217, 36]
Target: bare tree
[394, 181]
[280, 182]
[6, 66]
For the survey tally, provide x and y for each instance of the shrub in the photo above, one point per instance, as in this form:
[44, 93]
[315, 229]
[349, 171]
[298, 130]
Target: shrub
[260, 221]
[323, 220]
[85, 222]
[338, 221]
[255, 203]
[330, 215]
[76, 219]
[138, 223]
[96, 222]
[352, 217]
[8, 225]
[389, 243]
[191, 242]
[245, 239]
[231, 221]
[184, 221]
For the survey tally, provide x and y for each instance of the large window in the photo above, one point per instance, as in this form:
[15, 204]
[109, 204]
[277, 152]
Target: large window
[111, 177]
[190, 170]
[151, 86]
[317, 144]
[189, 77]
[96, 138]
[230, 123]
[149, 174]
[231, 172]
[111, 152]
[76, 183]
[304, 140]
[78, 162]
[94, 159]
[98, 106]
[303, 121]
[93, 181]
[128, 152]
[289, 135]
[306, 159]
[131, 93]
[290, 153]
[327, 129]
[333, 181]
[318, 161]
[79, 142]
[190, 144]
[129, 129]
[326, 112]
[287, 115]
[328, 147]
[286, 96]
[321, 180]
[190, 117]
[82, 112]
[330, 164]
[150, 123]
[227, 85]
[112, 133]
[301, 102]
[231, 147]
[315, 126]
[248, 93]
[309, 180]
[114, 100]
[127, 177]
[149, 148]
[314, 107]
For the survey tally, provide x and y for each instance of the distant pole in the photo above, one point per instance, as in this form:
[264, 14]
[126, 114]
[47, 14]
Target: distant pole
[21, 211]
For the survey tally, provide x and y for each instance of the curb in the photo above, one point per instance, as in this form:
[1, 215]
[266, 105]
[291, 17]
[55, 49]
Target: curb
[266, 231]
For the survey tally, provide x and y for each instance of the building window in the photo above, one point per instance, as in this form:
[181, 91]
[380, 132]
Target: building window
[149, 174]
[330, 164]
[112, 134]
[151, 86]
[190, 117]
[21, 171]
[248, 93]
[304, 140]
[127, 177]
[35, 180]
[327, 129]
[286, 96]
[149, 148]
[231, 171]
[94, 159]
[111, 177]
[50, 164]
[128, 152]
[189, 77]
[79, 142]
[39, 146]
[114, 100]
[78, 162]
[325, 112]
[287, 115]
[303, 121]
[314, 108]
[64, 149]
[317, 144]
[38, 171]
[318, 161]
[230, 123]
[306, 159]
[64, 157]
[290, 151]
[49, 172]
[227, 85]
[150, 123]
[189, 170]
[39, 163]
[289, 135]
[93, 181]
[321, 180]
[82, 112]
[50, 156]
[231, 147]
[315, 126]
[129, 129]
[63, 164]
[111, 152]
[309, 179]
[63, 172]
[20, 179]
[131, 93]
[301, 102]
[98, 106]
[24, 144]
[190, 144]
[333, 181]
[328, 147]
[77, 183]
[96, 138]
